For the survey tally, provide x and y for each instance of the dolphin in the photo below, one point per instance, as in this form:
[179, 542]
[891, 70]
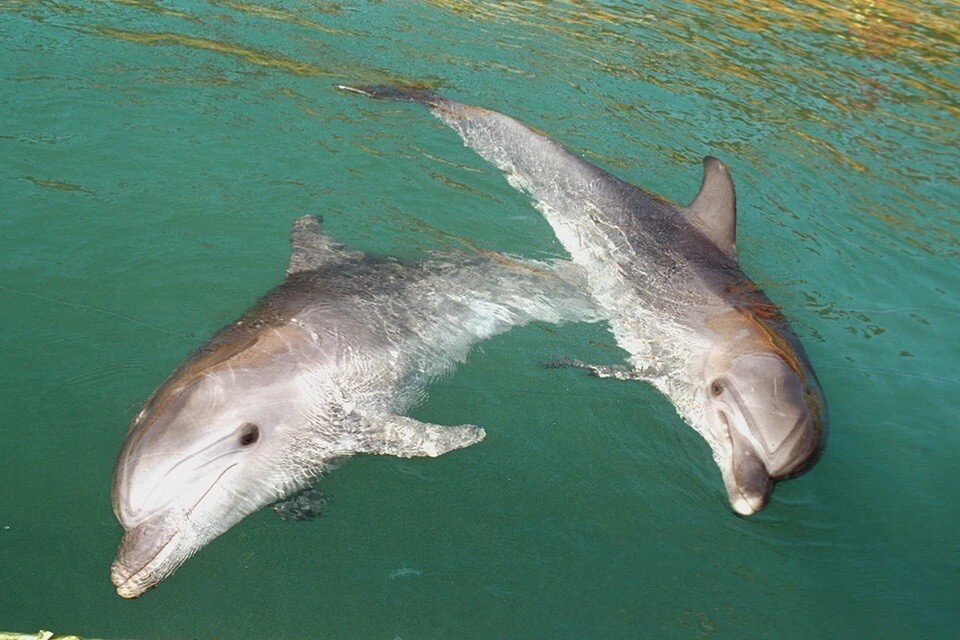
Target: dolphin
[668, 279]
[319, 369]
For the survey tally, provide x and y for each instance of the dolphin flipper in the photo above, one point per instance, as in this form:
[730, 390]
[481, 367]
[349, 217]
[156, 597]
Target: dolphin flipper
[405, 437]
[312, 248]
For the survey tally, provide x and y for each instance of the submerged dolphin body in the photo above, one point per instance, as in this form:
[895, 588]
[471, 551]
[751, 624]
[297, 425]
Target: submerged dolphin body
[668, 279]
[319, 369]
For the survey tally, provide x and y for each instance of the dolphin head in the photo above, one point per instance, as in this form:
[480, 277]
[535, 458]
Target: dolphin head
[211, 446]
[765, 408]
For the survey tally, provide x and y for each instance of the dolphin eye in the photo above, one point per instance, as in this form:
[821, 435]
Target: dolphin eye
[249, 434]
[716, 387]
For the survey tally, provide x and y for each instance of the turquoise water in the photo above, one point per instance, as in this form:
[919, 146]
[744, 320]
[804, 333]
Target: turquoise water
[154, 154]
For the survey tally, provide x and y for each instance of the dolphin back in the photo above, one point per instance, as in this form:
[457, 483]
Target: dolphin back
[559, 181]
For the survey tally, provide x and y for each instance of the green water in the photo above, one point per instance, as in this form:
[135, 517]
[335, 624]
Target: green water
[154, 154]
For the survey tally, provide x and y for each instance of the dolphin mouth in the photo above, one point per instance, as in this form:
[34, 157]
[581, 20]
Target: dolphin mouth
[148, 552]
[748, 483]
[144, 551]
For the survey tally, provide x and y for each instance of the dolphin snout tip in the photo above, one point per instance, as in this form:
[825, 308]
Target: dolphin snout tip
[748, 505]
[750, 495]
[143, 557]
[129, 593]
[123, 579]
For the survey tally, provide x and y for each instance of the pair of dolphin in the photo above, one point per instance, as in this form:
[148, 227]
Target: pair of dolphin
[325, 364]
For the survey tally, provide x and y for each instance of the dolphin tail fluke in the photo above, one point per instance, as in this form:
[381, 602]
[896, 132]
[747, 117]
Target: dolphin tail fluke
[402, 93]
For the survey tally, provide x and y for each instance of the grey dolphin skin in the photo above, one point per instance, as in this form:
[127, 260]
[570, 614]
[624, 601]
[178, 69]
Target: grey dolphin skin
[319, 369]
[668, 279]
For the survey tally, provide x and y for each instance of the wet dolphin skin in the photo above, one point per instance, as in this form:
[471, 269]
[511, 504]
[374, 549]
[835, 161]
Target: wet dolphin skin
[668, 280]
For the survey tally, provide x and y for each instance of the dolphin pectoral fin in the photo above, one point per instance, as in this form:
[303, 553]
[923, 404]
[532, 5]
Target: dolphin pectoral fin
[714, 211]
[617, 372]
[312, 248]
[406, 438]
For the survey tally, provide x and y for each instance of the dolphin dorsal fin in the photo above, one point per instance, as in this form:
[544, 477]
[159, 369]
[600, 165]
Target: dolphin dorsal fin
[714, 211]
[312, 248]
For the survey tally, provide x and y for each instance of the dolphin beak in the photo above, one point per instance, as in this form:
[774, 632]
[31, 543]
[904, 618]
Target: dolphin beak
[143, 558]
[748, 484]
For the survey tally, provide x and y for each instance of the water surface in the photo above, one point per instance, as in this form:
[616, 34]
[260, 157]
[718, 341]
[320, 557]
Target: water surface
[154, 154]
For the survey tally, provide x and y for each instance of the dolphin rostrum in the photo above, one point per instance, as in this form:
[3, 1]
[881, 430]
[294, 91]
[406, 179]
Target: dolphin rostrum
[319, 369]
[668, 280]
